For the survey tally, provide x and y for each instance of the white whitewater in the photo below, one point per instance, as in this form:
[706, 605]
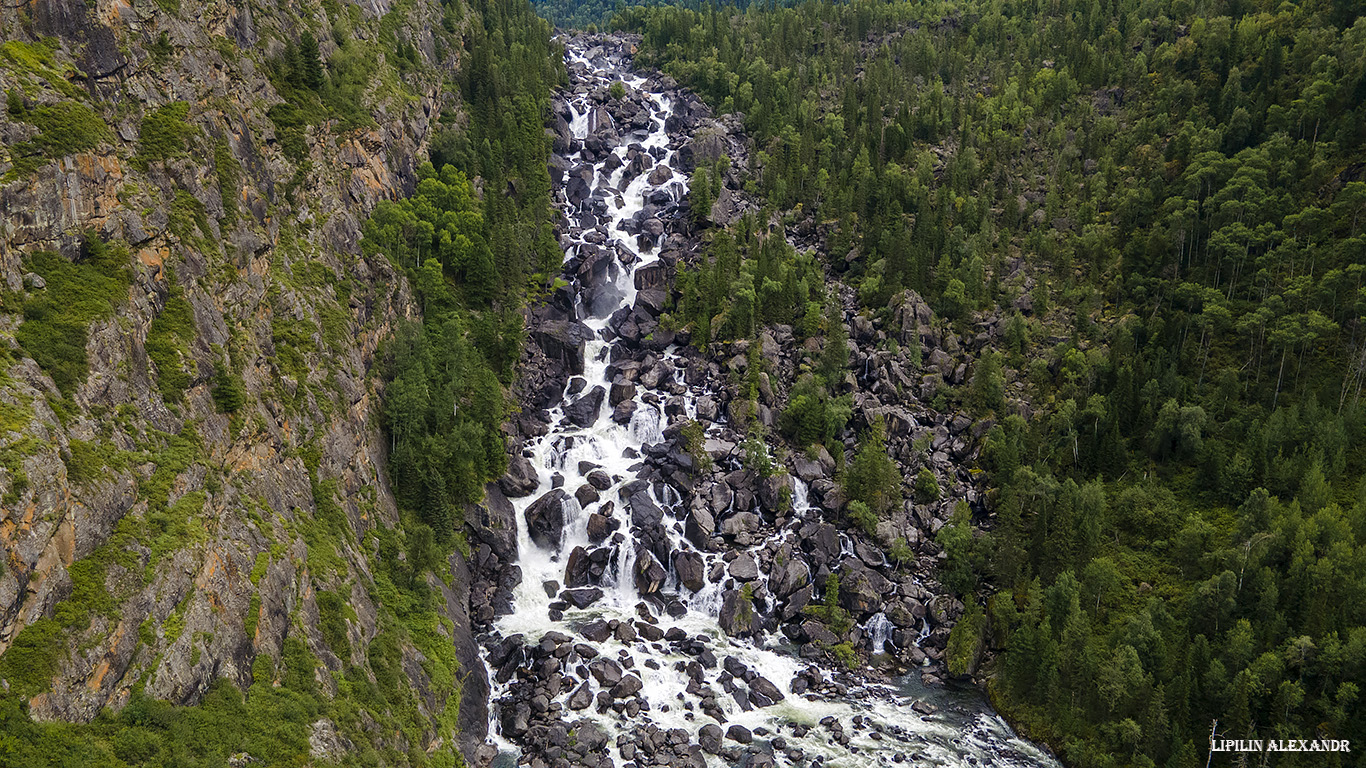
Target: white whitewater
[878, 719]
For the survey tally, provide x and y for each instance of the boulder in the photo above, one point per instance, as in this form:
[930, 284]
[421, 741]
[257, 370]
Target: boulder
[584, 411]
[629, 685]
[709, 738]
[586, 494]
[600, 527]
[581, 698]
[739, 733]
[545, 519]
[738, 617]
[689, 567]
[791, 577]
[743, 568]
[606, 671]
[581, 598]
[520, 479]
[862, 591]
[763, 693]
[650, 574]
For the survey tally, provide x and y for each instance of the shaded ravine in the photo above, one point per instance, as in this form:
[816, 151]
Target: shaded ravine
[613, 651]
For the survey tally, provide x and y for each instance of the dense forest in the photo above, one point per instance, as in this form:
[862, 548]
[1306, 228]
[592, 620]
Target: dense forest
[1163, 205]
[444, 404]
[595, 14]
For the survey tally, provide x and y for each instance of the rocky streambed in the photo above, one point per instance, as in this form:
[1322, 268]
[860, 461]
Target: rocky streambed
[643, 596]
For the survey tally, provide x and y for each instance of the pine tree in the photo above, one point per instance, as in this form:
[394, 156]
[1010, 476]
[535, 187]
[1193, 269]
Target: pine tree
[310, 62]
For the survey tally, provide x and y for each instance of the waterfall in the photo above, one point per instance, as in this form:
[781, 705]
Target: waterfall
[670, 640]
[878, 628]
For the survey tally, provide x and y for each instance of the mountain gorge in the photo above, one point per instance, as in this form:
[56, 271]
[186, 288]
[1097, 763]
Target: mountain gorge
[406, 383]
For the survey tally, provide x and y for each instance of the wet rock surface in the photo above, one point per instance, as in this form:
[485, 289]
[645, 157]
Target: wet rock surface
[695, 624]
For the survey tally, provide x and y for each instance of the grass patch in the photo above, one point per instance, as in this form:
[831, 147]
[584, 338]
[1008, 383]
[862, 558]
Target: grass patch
[13, 418]
[40, 60]
[258, 569]
[84, 460]
[173, 528]
[190, 222]
[292, 339]
[56, 318]
[64, 128]
[181, 452]
[253, 616]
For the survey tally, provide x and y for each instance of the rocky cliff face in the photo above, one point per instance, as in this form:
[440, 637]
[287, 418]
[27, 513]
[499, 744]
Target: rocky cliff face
[209, 489]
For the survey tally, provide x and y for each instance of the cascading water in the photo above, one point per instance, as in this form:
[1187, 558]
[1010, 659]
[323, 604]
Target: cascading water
[586, 671]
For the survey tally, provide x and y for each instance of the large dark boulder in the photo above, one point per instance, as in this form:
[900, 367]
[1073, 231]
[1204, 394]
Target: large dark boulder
[862, 591]
[689, 567]
[584, 411]
[562, 341]
[738, 616]
[790, 577]
[545, 519]
[520, 479]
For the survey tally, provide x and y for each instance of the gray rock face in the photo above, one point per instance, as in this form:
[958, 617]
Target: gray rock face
[239, 587]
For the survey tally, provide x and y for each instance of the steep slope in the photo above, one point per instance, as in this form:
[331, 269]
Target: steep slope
[192, 469]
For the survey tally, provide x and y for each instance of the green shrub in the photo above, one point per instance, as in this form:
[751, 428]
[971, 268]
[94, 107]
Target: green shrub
[617, 90]
[174, 626]
[290, 125]
[258, 569]
[829, 611]
[812, 415]
[965, 640]
[293, 339]
[181, 451]
[844, 653]
[926, 486]
[253, 616]
[873, 477]
[332, 623]
[229, 393]
[83, 460]
[163, 134]
[31, 660]
[175, 526]
[56, 318]
[168, 347]
[190, 222]
[861, 516]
